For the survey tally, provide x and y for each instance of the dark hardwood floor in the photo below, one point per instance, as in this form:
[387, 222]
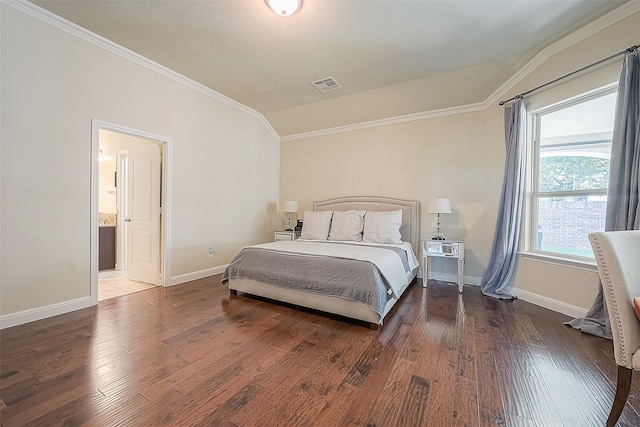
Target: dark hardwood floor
[193, 355]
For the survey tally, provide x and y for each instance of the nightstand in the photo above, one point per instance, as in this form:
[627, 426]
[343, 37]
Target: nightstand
[443, 249]
[284, 235]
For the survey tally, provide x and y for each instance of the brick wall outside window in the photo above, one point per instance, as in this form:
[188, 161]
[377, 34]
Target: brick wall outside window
[566, 224]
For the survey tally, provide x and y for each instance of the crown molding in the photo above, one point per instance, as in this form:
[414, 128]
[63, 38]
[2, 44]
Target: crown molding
[387, 121]
[577, 36]
[580, 34]
[101, 42]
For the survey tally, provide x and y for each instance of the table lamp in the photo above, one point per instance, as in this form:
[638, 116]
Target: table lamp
[289, 206]
[439, 206]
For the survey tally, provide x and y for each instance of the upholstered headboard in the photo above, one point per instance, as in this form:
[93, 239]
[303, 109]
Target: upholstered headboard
[410, 229]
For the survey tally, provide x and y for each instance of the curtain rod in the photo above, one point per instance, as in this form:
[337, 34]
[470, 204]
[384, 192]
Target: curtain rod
[523, 94]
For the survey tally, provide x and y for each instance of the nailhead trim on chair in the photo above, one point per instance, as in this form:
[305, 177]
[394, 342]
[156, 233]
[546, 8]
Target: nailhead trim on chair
[605, 272]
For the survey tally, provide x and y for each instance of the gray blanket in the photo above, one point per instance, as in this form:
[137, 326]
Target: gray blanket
[353, 280]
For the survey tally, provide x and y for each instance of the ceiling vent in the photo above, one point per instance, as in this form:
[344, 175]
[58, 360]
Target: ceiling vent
[326, 84]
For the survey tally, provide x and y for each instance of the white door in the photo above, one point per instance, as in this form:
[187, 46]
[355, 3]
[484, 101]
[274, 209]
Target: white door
[143, 213]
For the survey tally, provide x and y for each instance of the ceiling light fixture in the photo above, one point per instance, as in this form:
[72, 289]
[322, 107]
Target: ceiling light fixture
[284, 7]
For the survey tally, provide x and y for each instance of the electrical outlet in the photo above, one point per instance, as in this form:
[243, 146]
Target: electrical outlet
[210, 252]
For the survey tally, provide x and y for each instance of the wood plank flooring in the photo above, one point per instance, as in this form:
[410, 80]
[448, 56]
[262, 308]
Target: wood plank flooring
[191, 355]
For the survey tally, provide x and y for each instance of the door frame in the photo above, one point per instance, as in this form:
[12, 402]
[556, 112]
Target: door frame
[165, 200]
[121, 203]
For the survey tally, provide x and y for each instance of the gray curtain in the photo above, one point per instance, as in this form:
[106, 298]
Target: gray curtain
[498, 279]
[623, 198]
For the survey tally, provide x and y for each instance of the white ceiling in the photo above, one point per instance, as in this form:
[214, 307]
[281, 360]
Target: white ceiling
[242, 49]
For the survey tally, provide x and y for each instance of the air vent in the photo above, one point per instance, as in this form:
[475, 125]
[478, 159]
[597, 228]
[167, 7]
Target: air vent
[326, 84]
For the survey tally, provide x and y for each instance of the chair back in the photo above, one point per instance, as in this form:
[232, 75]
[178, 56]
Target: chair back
[618, 258]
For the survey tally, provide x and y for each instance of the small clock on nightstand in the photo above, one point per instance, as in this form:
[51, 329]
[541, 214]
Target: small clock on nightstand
[284, 235]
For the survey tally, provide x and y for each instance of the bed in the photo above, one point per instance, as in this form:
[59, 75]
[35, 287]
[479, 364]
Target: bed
[337, 275]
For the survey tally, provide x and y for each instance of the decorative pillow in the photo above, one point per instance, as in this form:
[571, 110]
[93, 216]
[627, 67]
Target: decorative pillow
[316, 225]
[347, 225]
[636, 305]
[382, 227]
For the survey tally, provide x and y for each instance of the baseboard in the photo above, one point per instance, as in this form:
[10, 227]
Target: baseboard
[552, 304]
[201, 274]
[26, 316]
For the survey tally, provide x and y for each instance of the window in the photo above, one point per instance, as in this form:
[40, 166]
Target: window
[572, 147]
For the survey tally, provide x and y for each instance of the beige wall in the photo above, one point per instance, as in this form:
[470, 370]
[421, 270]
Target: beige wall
[461, 157]
[107, 195]
[225, 163]
[446, 157]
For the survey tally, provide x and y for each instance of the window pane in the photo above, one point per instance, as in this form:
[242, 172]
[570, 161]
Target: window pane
[566, 173]
[592, 117]
[575, 146]
[571, 173]
[565, 222]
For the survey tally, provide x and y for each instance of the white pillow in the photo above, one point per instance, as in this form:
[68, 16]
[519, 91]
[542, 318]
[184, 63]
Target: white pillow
[347, 225]
[316, 225]
[382, 227]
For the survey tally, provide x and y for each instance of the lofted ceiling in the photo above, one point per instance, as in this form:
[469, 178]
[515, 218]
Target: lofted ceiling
[391, 57]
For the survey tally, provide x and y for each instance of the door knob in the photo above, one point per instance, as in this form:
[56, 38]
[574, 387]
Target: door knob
[127, 220]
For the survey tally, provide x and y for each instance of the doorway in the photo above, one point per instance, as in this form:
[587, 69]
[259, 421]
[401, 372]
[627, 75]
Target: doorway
[130, 210]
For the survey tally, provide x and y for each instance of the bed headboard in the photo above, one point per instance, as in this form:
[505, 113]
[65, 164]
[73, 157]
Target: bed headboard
[410, 229]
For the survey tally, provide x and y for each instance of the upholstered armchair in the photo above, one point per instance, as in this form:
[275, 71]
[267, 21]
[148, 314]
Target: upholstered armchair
[618, 257]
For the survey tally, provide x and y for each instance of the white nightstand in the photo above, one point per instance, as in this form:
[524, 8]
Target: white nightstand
[284, 235]
[443, 249]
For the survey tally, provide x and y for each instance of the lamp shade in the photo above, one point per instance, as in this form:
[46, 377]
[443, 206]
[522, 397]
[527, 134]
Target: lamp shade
[439, 206]
[290, 206]
[284, 7]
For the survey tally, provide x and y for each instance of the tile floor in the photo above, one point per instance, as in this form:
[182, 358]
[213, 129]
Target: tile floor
[112, 283]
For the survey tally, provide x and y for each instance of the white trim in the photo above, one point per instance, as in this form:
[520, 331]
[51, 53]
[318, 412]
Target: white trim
[577, 36]
[578, 264]
[627, 9]
[101, 42]
[31, 315]
[195, 275]
[94, 198]
[121, 238]
[551, 304]
[167, 156]
[388, 121]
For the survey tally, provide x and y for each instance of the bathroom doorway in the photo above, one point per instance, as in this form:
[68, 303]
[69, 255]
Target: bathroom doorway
[131, 195]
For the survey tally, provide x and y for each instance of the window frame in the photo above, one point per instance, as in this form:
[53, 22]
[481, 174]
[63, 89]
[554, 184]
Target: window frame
[532, 219]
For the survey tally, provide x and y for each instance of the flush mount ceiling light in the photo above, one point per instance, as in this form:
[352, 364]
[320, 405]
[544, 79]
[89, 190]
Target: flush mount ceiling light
[284, 7]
